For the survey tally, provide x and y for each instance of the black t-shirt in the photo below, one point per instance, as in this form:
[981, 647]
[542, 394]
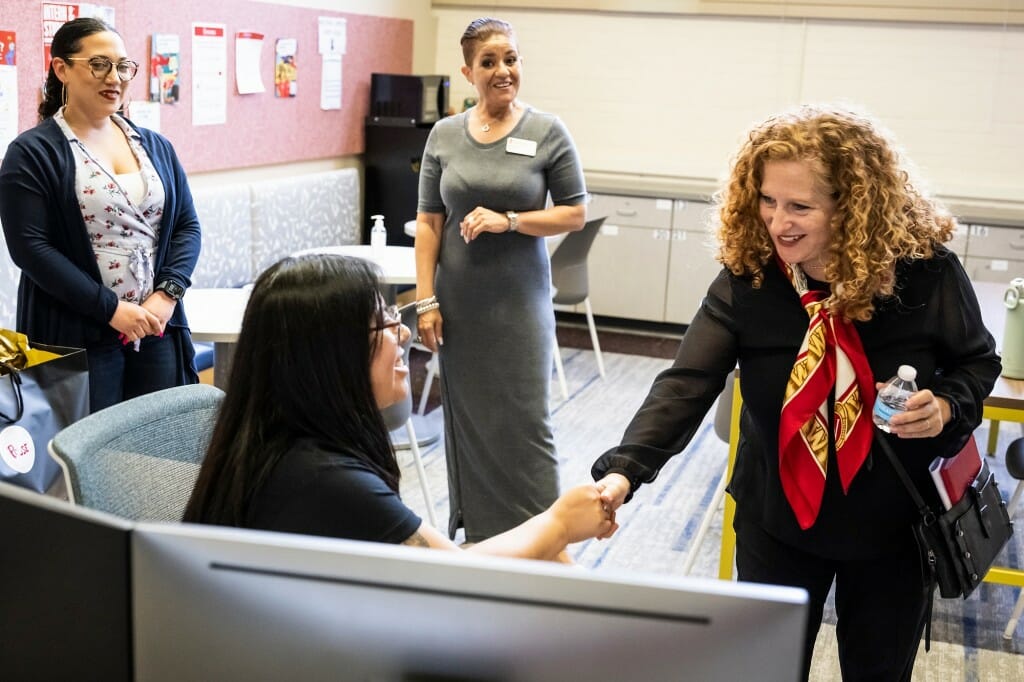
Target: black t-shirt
[319, 492]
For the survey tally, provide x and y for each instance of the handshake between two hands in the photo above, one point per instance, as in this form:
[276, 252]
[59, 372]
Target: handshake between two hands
[588, 511]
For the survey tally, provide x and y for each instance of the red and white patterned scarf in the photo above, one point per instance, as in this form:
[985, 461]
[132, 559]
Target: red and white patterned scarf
[831, 359]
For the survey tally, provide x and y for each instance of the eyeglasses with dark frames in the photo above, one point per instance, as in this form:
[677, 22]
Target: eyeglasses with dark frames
[100, 67]
[392, 315]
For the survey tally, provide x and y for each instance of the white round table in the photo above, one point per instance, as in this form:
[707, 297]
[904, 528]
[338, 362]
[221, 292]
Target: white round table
[397, 263]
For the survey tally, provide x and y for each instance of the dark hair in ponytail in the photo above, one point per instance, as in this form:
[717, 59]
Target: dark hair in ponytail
[66, 42]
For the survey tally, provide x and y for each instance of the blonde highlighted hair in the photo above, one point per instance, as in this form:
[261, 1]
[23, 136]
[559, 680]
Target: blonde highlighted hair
[881, 216]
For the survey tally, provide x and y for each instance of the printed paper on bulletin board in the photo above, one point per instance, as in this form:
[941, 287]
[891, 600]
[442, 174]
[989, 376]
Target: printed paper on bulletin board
[261, 129]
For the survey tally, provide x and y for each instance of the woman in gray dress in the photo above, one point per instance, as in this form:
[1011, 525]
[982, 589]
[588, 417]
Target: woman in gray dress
[483, 284]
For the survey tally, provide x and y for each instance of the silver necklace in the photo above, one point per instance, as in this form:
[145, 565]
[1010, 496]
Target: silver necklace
[486, 127]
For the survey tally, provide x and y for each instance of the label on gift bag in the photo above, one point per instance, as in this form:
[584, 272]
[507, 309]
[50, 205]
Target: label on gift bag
[17, 449]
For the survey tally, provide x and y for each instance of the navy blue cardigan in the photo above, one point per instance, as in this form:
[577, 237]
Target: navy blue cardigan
[61, 298]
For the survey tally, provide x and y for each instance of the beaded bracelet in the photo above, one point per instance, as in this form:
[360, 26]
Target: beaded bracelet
[426, 305]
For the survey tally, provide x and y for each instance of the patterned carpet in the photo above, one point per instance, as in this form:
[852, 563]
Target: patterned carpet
[657, 528]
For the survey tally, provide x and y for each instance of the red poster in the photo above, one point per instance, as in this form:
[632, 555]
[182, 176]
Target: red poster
[55, 15]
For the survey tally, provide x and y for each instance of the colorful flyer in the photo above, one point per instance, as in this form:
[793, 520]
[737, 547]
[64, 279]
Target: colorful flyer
[286, 73]
[164, 67]
[7, 45]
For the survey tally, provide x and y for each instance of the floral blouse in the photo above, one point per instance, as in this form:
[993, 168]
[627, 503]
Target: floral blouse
[123, 232]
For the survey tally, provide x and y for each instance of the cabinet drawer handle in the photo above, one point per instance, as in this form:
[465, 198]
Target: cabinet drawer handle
[629, 212]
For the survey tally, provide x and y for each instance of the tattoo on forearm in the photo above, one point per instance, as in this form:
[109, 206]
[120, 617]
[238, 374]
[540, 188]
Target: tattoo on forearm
[416, 540]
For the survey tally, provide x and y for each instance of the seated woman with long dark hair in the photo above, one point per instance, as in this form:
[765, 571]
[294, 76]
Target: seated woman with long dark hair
[300, 445]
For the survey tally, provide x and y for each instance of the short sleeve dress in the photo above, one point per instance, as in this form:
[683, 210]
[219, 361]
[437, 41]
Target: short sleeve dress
[495, 296]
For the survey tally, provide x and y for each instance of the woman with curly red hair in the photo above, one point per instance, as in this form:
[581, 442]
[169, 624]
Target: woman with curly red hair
[835, 274]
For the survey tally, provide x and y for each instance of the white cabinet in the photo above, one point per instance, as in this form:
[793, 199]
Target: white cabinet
[994, 254]
[628, 263]
[691, 263]
[654, 258]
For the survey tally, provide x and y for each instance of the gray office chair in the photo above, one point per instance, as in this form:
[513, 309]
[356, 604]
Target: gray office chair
[139, 459]
[571, 285]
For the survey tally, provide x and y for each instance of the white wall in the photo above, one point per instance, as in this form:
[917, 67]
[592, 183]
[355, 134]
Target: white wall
[671, 96]
[416, 10]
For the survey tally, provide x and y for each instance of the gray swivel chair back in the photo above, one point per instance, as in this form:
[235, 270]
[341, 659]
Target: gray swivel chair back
[139, 459]
[571, 284]
[723, 409]
[569, 264]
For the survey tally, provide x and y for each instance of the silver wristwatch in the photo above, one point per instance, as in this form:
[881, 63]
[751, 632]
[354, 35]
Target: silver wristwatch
[513, 221]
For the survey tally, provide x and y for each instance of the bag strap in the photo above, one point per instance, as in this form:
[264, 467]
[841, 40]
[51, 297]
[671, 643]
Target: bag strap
[926, 512]
[927, 516]
[15, 376]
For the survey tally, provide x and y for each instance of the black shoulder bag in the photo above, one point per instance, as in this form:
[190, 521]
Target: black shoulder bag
[957, 545]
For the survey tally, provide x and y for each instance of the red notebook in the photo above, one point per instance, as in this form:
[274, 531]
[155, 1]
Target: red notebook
[954, 475]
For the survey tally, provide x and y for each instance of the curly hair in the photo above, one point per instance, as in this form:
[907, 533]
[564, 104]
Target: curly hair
[881, 217]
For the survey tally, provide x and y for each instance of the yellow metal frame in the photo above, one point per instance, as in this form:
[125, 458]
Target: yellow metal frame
[728, 553]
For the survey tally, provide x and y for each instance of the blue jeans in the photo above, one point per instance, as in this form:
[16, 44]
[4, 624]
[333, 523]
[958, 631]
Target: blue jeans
[118, 372]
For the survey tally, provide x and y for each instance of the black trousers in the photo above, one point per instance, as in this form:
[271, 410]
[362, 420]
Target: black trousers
[880, 603]
[118, 372]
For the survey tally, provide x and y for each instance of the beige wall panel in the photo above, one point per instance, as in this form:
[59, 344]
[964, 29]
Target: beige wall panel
[671, 95]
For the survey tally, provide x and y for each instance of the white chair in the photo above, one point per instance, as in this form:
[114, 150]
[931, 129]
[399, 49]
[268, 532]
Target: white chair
[400, 415]
[723, 429]
[571, 286]
[433, 366]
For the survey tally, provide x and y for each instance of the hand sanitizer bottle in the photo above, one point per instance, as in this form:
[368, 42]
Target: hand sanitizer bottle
[378, 235]
[892, 399]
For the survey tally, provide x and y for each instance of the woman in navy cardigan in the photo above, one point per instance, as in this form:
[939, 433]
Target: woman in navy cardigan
[99, 217]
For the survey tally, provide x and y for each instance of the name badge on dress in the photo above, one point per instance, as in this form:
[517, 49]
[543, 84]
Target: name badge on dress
[517, 145]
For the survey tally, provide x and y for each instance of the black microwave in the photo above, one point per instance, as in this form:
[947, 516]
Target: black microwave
[397, 98]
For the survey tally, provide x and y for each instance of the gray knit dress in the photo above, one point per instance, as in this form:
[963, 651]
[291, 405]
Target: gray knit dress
[495, 296]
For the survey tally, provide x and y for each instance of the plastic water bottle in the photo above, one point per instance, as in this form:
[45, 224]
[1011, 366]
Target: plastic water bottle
[378, 235]
[892, 399]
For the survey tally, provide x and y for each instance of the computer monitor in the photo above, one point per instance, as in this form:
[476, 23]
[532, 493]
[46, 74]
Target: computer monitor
[222, 603]
[65, 610]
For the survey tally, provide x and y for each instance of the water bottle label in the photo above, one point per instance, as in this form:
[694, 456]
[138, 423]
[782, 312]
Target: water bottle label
[884, 411]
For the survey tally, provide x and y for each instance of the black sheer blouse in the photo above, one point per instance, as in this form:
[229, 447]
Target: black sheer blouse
[933, 322]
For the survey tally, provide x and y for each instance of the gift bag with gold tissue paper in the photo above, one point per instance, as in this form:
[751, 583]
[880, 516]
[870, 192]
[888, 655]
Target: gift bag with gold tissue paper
[42, 389]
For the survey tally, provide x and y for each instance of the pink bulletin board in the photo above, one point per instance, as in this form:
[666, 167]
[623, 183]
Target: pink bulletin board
[261, 129]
